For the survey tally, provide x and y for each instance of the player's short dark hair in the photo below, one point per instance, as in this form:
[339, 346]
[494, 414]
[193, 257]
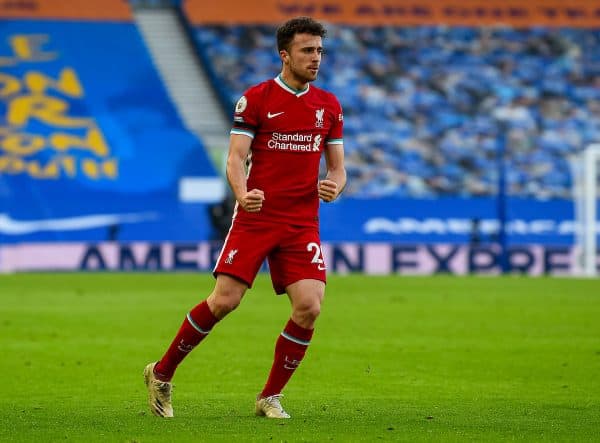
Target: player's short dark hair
[298, 25]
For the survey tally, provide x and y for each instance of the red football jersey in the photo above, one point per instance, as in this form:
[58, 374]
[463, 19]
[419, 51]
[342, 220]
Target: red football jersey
[290, 130]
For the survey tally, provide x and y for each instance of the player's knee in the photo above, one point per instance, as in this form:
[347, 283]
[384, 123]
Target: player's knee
[220, 306]
[308, 312]
[313, 312]
[223, 302]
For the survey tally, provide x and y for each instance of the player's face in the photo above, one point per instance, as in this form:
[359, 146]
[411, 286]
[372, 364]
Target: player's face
[304, 57]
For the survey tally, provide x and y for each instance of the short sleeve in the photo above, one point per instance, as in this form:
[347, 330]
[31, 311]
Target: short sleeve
[245, 118]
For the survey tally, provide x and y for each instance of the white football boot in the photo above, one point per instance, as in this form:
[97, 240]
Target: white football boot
[270, 407]
[159, 393]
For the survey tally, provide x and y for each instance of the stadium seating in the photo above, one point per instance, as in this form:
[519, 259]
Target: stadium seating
[442, 102]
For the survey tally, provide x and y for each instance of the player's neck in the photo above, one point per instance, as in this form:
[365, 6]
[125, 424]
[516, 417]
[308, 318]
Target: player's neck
[293, 82]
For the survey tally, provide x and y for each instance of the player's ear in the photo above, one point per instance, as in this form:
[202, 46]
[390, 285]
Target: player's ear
[283, 54]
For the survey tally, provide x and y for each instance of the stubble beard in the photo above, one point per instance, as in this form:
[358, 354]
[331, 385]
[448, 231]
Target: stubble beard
[303, 77]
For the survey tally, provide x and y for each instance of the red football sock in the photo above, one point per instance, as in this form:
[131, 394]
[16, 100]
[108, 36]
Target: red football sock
[289, 351]
[194, 329]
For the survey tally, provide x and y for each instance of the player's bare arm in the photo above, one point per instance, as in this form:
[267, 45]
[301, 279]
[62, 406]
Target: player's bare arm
[239, 147]
[335, 181]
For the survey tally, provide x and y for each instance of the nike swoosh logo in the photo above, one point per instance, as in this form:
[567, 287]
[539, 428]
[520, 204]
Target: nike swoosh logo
[321, 267]
[269, 115]
[10, 226]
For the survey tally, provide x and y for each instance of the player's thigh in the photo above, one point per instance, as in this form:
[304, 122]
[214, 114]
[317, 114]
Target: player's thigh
[244, 251]
[299, 257]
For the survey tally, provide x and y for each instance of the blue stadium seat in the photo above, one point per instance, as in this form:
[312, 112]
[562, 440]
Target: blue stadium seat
[457, 92]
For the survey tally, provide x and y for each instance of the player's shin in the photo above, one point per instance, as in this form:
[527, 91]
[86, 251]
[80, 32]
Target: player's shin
[289, 352]
[196, 326]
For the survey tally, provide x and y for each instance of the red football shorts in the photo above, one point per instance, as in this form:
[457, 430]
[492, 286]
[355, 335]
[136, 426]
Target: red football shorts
[293, 253]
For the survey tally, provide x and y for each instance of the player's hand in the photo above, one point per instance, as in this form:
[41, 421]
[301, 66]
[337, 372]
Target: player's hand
[252, 201]
[328, 190]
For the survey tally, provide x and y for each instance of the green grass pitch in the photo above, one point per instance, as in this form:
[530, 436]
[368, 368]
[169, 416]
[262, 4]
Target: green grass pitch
[393, 359]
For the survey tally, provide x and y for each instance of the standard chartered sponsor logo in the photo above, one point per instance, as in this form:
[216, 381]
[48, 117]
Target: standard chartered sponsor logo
[294, 142]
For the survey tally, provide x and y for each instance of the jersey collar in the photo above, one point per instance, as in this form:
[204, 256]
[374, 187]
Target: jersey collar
[288, 88]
